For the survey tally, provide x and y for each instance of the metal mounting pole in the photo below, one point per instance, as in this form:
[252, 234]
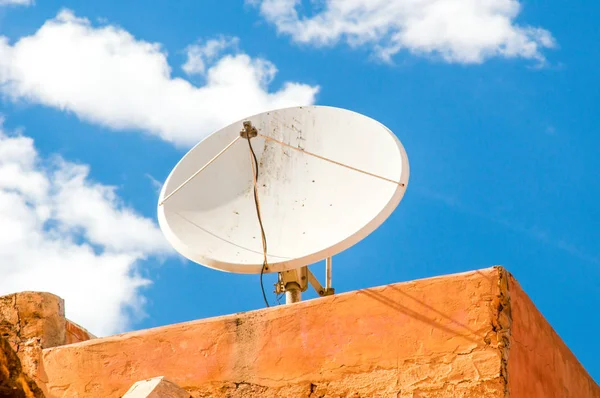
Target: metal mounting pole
[293, 293]
[328, 273]
[292, 283]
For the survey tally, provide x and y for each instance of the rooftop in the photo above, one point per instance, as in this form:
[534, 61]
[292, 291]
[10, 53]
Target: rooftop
[463, 335]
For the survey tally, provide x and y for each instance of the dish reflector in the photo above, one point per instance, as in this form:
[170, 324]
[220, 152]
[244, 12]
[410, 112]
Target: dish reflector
[327, 178]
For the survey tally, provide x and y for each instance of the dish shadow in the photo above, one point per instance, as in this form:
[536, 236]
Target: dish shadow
[467, 332]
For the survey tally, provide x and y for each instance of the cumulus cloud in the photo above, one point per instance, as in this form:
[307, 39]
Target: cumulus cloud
[202, 53]
[16, 2]
[460, 31]
[65, 234]
[105, 75]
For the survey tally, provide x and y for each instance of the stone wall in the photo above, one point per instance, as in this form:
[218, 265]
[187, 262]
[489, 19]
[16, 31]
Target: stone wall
[14, 383]
[33, 321]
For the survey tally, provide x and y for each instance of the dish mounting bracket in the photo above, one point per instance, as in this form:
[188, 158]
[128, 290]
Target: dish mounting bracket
[296, 281]
[249, 130]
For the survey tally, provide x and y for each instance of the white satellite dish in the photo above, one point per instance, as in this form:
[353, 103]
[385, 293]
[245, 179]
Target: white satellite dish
[327, 178]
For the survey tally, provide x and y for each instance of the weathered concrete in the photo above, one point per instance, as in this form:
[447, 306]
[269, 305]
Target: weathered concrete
[157, 387]
[32, 321]
[14, 383]
[540, 364]
[465, 335]
[426, 338]
[75, 333]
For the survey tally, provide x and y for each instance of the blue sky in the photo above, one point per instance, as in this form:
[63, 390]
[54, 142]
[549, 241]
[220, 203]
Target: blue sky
[496, 109]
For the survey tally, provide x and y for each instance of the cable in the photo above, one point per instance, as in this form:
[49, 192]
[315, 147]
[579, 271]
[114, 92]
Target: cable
[262, 229]
[262, 287]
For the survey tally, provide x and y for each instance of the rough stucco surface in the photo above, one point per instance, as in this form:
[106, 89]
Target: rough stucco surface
[14, 383]
[32, 321]
[75, 333]
[473, 334]
[429, 338]
[540, 364]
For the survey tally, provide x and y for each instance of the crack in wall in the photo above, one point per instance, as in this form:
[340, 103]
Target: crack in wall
[18, 325]
[501, 324]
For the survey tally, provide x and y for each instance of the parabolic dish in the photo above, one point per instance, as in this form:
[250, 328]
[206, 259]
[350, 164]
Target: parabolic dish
[311, 208]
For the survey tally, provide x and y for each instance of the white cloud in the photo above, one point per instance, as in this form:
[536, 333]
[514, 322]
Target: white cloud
[106, 76]
[460, 31]
[16, 2]
[199, 55]
[62, 233]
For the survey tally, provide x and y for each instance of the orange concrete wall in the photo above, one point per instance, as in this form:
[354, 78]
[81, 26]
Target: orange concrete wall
[75, 333]
[32, 321]
[540, 364]
[13, 381]
[468, 335]
[428, 338]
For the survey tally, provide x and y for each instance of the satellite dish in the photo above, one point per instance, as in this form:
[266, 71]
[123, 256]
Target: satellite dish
[326, 178]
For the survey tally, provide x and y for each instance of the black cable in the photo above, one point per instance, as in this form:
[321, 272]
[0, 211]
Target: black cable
[262, 229]
[262, 270]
